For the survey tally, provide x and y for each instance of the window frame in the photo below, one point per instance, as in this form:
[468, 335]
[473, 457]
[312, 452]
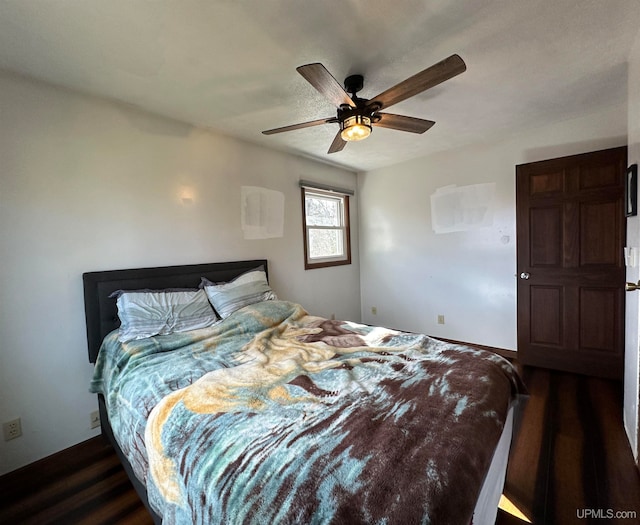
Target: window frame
[325, 262]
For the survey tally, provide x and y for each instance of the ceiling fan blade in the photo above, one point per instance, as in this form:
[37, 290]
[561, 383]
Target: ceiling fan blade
[300, 126]
[318, 76]
[430, 77]
[402, 123]
[338, 144]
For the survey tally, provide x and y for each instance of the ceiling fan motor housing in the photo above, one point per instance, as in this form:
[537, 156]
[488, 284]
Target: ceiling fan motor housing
[353, 84]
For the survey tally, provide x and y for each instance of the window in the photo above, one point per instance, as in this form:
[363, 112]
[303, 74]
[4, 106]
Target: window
[325, 216]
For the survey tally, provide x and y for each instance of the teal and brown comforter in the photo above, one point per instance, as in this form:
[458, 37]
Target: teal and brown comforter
[273, 416]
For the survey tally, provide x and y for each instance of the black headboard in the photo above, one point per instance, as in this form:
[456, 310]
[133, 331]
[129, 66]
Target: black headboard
[101, 312]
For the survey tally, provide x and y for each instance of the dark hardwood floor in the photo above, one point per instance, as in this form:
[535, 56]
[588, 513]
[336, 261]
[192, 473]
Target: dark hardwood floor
[570, 460]
[84, 484]
[570, 463]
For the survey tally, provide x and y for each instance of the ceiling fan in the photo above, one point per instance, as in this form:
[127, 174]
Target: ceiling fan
[356, 115]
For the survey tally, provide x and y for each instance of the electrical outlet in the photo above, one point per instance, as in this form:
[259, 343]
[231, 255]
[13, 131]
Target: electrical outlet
[95, 419]
[374, 310]
[12, 429]
[441, 319]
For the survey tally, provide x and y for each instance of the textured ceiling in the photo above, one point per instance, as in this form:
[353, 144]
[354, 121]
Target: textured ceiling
[229, 65]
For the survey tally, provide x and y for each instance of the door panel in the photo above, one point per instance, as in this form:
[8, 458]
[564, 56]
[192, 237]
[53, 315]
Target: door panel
[599, 176]
[597, 245]
[571, 232]
[547, 182]
[599, 316]
[547, 327]
[545, 236]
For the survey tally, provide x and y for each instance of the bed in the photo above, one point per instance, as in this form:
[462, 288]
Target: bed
[273, 415]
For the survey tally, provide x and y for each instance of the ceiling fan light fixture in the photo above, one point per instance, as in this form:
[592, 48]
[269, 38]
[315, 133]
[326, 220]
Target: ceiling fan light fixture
[355, 127]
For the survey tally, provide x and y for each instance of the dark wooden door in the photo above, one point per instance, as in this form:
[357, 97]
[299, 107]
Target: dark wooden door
[570, 238]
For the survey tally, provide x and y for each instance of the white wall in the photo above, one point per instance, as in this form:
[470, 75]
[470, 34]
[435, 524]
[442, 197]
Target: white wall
[632, 353]
[411, 275]
[87, 184]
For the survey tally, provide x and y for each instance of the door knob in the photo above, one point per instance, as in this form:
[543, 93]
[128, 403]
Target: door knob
[630, 287]
[525, 275]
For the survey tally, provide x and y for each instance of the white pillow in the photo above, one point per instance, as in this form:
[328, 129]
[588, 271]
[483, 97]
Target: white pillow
[249, 288]
[145, 313]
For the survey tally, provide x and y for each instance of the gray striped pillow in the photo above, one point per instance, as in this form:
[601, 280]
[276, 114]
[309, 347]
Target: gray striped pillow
[249, 288]
[145, 313]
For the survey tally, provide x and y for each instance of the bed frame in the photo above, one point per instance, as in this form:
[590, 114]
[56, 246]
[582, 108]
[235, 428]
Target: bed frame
[102, 317]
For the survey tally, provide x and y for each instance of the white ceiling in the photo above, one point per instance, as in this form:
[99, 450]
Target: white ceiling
[229, 65]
